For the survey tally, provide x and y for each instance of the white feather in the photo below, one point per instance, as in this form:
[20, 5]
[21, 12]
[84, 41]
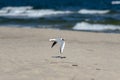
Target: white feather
[62, 46]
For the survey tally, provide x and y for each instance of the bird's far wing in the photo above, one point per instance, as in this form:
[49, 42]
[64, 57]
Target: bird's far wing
[62, 47]
[52, 40]
[53, 44]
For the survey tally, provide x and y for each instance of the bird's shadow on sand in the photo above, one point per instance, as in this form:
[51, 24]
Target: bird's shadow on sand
[61, 57]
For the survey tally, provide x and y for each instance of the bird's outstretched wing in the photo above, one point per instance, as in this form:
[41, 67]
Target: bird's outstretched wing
[62, 47]
[53, 44]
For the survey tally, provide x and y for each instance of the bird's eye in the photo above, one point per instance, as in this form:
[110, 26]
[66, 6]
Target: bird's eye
[63, 39]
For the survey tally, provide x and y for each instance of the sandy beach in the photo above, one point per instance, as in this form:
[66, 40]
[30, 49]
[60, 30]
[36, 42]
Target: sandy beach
[26, 54]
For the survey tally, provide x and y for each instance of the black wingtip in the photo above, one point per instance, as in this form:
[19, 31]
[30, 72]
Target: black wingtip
[53, 44]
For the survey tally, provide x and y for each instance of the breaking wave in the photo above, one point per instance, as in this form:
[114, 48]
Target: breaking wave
[28, 12]
[115, 2]
[95, 27]
[85, 11]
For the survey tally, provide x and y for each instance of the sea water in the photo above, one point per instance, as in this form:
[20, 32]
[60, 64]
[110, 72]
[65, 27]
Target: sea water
[83, 15]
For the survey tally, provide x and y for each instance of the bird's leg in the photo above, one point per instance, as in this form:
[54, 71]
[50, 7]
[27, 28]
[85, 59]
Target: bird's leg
[61, 56]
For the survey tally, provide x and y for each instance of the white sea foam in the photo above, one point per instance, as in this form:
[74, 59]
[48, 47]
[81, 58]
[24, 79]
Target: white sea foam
[17, 8]
[115, 2]
[43, 13]
[28, 12]
[95, 27]
[86, 11]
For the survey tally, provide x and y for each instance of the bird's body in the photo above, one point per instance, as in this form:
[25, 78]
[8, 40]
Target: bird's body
[60, 41]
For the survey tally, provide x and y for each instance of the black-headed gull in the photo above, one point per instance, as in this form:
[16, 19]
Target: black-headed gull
[60, 41]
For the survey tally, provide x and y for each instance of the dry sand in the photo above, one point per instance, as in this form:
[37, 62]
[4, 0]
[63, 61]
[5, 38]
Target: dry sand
[25, 54]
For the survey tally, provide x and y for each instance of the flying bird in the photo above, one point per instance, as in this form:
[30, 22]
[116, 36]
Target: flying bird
[60, 41]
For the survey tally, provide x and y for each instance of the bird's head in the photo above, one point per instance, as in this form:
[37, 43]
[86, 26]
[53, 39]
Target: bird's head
[62, 39]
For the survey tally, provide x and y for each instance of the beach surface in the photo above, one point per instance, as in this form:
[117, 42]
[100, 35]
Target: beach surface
[26, 54]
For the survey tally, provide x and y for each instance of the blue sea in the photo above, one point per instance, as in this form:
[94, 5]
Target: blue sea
[78, 15]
